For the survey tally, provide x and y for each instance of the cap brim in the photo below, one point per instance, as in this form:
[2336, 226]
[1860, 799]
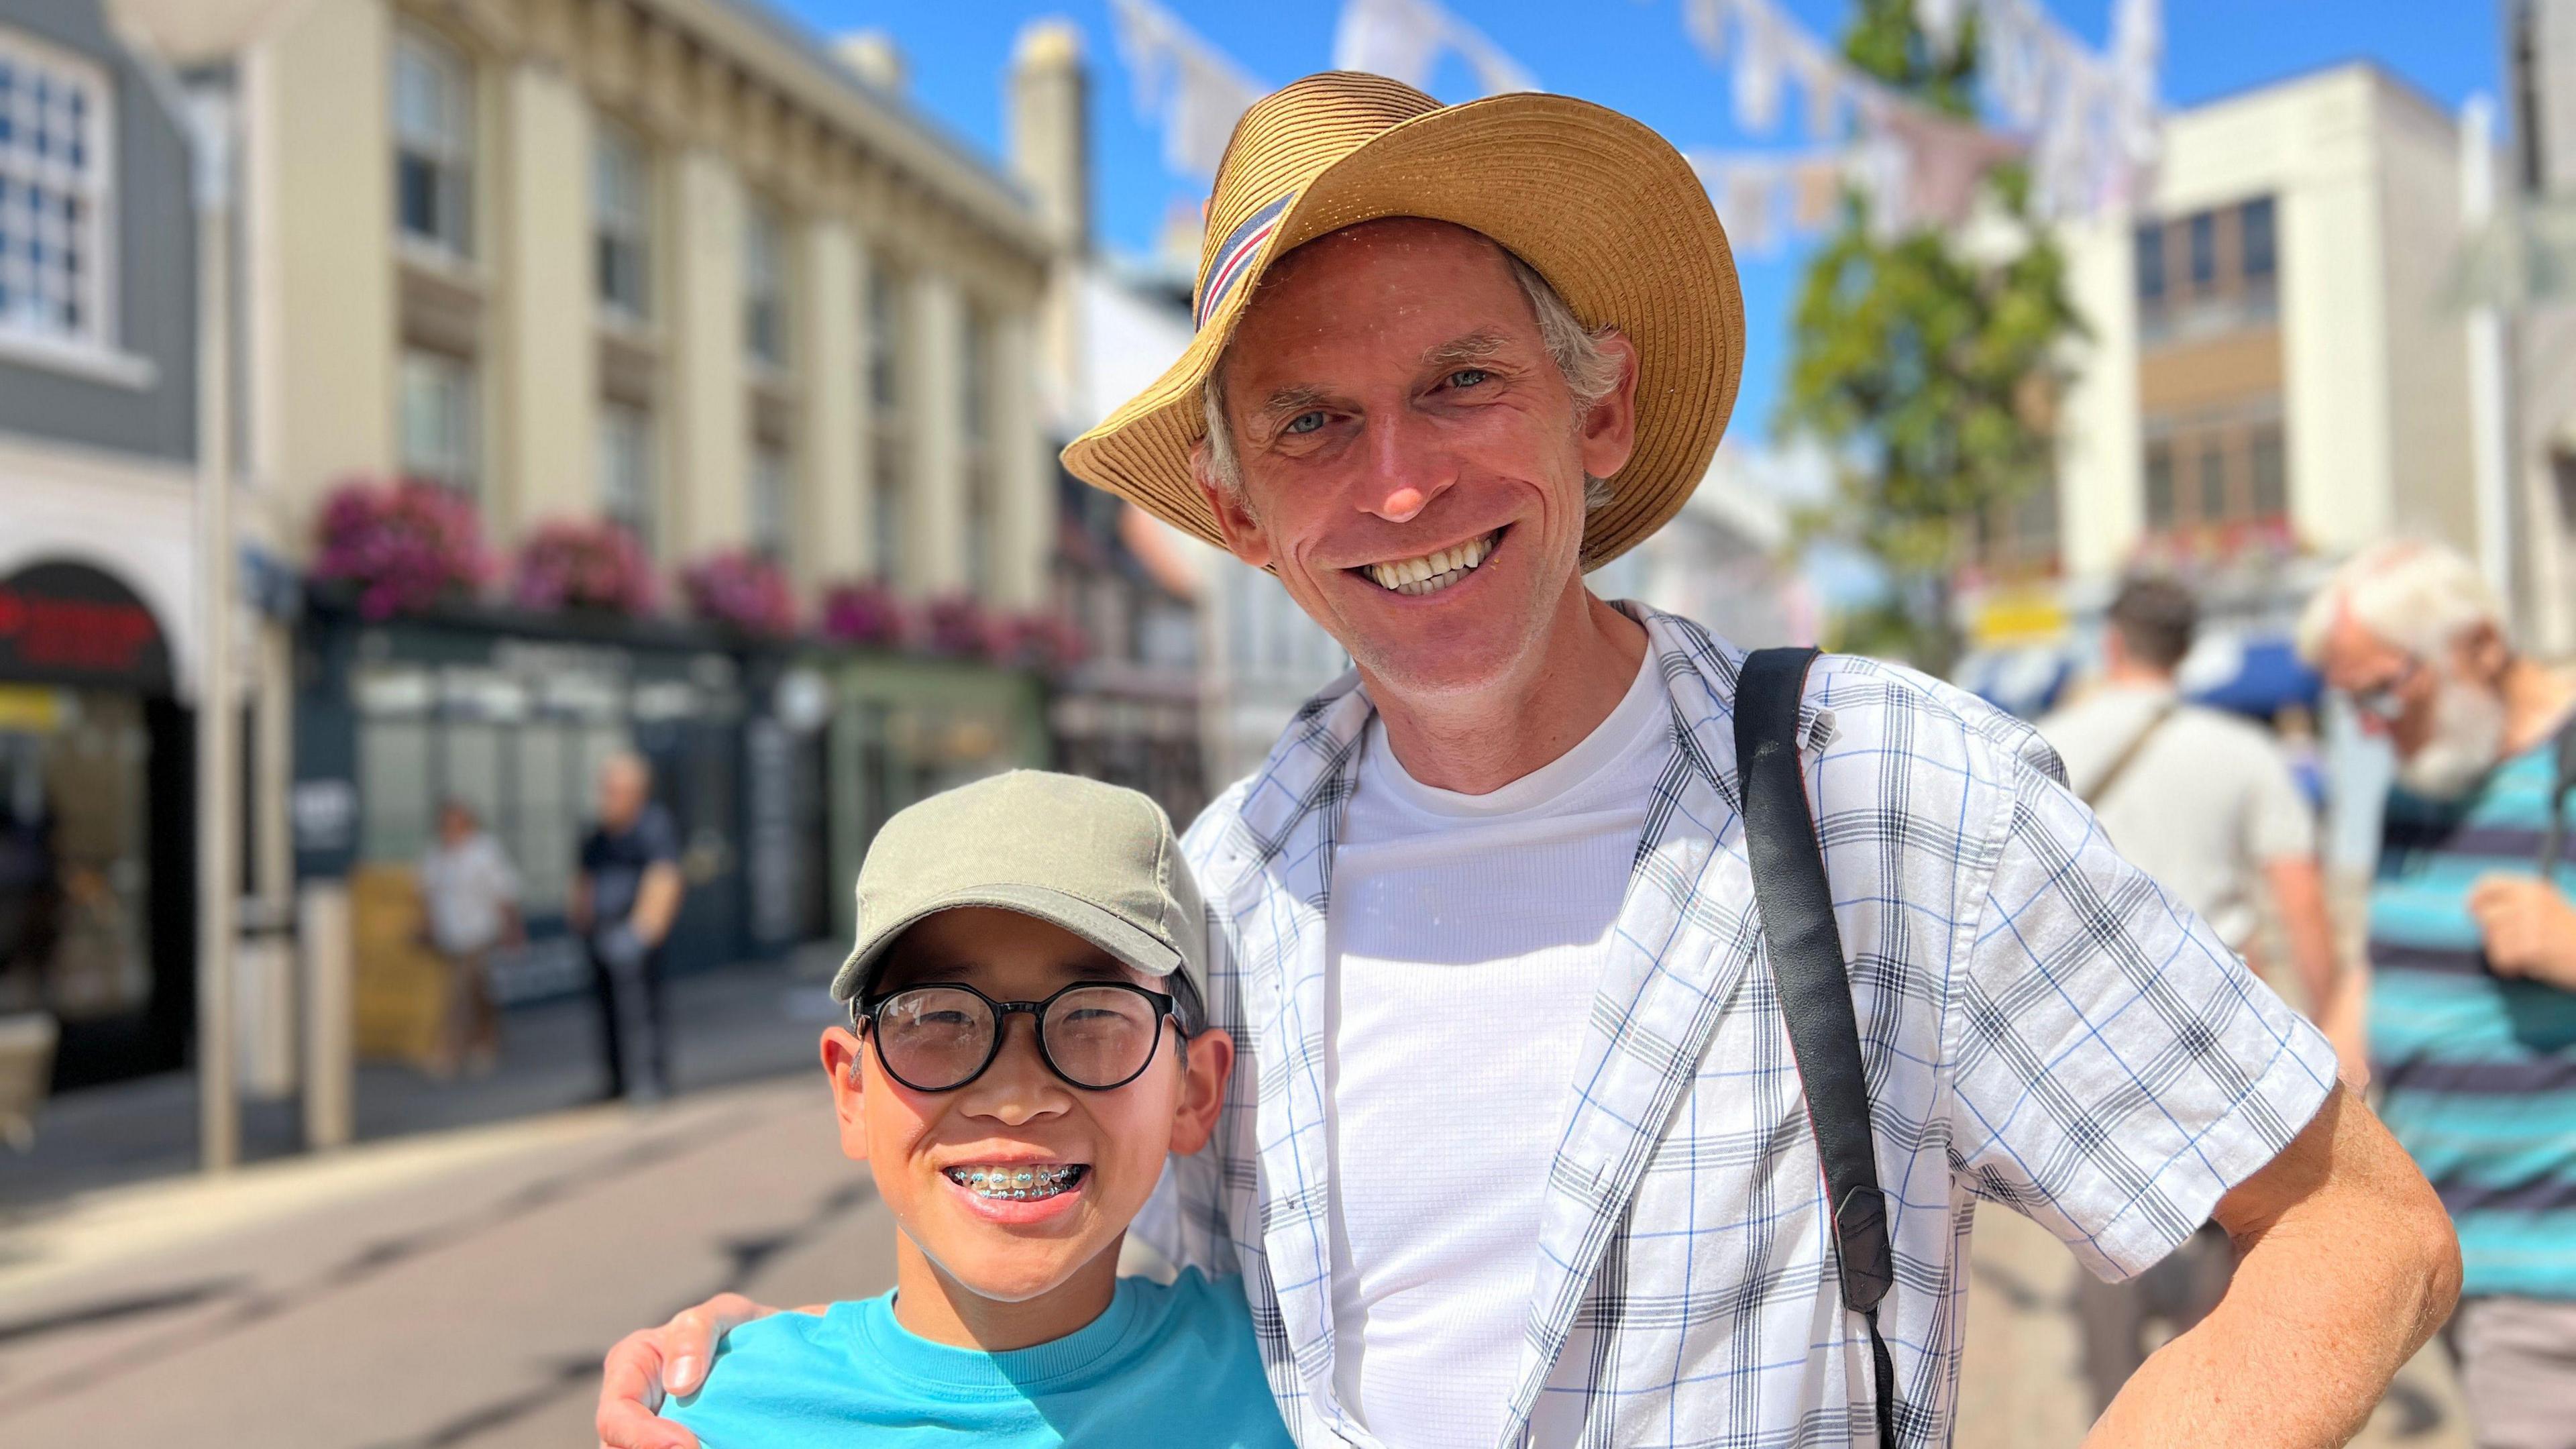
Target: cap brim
[1595, 201]
[1092, 923]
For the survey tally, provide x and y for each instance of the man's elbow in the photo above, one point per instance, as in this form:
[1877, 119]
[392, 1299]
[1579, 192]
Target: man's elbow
[2425, 1252]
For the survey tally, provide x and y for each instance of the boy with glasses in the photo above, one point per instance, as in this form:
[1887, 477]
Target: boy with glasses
[1014, 1152]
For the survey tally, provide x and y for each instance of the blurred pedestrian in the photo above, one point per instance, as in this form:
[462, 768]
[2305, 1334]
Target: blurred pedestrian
[623, 902]
[470, 896]
[2205, 803]
[2473, 955]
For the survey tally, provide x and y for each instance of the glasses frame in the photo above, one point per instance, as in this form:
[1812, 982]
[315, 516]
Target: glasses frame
[2380, 701]
[1164, 1010]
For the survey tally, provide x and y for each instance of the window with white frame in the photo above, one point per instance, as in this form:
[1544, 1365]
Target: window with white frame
[441, 432]
[772, 491]
[55, 192]
[433, 143]
[764, 285]
[974, 411]
[621, 205]
[889, 510]
[626, 487]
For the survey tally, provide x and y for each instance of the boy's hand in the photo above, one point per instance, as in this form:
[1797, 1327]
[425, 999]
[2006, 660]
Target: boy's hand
[673, 1357]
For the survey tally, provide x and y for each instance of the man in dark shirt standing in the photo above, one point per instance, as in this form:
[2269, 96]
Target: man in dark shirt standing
[623, 902]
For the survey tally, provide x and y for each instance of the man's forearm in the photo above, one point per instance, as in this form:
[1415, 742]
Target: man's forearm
[2334, 1290]
[2299, 892]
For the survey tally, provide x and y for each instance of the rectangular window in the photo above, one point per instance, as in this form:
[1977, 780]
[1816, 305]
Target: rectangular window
[2160, 486]
[2204, 251]
[621, 206]
[626, 487]
[2213, 483]
[2150, 242]
[55, 191]
[764, 285]
[2271, 473]
[440, 422]
[773, 484]
[2255, 239]
[433, 143]
[885, 341]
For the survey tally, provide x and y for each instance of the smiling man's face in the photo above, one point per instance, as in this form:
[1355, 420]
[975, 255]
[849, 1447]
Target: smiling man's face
[1412, 463]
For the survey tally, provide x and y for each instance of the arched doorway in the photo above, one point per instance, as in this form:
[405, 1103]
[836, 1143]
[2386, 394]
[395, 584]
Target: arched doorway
[96, 839]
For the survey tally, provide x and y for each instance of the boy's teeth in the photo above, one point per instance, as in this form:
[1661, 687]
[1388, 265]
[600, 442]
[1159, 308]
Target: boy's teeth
[1431, 573]
[1018, 1182]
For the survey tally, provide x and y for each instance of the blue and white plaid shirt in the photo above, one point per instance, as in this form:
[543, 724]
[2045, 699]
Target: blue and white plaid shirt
[2042, 1026]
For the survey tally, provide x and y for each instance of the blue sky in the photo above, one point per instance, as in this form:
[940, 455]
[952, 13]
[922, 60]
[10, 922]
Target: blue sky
[1631, 54]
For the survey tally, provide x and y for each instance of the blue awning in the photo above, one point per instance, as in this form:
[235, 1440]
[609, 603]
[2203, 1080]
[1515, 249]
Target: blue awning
[2024, 682]
[2257, 677]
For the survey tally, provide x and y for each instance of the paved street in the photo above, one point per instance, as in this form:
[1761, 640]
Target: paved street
[457, 1288]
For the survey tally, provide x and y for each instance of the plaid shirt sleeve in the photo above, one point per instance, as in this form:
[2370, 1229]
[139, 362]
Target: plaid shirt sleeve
[2115, 1067]
[1186, 1221]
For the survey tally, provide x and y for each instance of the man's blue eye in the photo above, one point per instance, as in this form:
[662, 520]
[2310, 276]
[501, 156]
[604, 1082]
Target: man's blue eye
[1304, 423]
[1468, 376]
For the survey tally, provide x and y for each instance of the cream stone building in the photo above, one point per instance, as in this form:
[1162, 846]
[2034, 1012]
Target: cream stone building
[667, 260]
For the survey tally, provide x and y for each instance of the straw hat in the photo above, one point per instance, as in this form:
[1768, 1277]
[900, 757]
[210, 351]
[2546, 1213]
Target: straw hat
[1600, 205]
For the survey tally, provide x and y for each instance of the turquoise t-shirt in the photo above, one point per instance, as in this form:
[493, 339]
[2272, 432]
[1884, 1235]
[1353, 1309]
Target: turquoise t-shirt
[1178, 1364]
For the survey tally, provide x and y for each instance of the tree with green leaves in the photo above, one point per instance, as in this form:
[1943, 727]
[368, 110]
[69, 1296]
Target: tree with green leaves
[1930, 372]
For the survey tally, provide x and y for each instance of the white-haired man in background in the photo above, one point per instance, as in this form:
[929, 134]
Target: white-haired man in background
[2473, 955]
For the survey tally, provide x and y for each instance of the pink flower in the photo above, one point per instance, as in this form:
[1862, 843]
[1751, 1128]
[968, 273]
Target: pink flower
[584, 564]
[405, 545]
[743, 590]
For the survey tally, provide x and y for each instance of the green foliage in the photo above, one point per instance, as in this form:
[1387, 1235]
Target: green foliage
[1929, 369]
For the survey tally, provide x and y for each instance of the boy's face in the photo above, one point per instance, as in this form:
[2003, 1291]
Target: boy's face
[1018, 1114]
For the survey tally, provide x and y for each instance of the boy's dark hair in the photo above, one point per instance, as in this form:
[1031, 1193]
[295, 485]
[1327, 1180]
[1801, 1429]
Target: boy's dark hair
[2155, 616]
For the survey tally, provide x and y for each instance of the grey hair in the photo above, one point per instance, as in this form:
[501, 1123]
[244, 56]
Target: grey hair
[1591, 372]
[2418, 596]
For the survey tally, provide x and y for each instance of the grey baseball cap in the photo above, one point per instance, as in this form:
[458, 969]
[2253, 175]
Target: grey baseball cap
[1098, 860]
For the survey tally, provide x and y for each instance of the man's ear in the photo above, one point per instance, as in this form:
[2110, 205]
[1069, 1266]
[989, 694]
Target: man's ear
[1234, 522]
[1607, 434]
[1204, 1068]
[2483, 653]
[845, 1065]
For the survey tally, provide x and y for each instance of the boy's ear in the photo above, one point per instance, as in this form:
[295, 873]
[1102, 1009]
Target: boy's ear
[844, 1064]
[1204, 1068]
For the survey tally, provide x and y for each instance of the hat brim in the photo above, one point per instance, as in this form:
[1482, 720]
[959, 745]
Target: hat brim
[1098, 925]
[1595, 201]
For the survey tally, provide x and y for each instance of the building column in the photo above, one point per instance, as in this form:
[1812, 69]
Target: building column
[935, 562]
[709, 488]
[547, 405]
[1024, 503]
[832, 510]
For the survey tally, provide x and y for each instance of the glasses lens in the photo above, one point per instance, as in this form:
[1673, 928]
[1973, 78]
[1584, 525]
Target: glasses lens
[1099, 1036]
[934, 1038]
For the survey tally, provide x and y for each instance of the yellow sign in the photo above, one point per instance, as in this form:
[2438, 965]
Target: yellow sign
[2017, 616]
[31, 707]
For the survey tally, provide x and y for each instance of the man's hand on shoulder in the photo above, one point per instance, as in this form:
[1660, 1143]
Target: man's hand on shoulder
[2529, 928]
[672, 1358]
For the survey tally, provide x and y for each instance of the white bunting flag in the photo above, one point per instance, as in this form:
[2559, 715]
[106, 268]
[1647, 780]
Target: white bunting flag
[1405, 39]
[1192, 89]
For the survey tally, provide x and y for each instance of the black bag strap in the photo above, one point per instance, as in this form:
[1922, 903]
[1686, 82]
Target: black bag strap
[1806, 951]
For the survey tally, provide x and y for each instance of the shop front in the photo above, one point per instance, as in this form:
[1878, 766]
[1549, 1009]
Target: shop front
[904, 728]
[514, 715]
[97, 853]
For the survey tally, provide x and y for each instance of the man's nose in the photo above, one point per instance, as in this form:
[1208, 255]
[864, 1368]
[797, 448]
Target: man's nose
[1407, 469]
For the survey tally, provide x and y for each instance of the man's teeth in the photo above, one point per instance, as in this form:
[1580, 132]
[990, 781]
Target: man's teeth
[1018, 1181]
[1431, 573]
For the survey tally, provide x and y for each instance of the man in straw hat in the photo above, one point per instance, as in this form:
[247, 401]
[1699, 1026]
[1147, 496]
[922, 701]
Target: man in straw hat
[1520, 1152]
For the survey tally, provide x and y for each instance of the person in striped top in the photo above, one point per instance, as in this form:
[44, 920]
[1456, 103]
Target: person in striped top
[2473, 955]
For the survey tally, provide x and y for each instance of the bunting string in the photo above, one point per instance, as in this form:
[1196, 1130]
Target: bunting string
[1406, 40]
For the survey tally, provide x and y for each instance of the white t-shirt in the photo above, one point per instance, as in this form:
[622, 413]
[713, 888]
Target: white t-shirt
[2203, 807]
[464, 889]
[1466, 937]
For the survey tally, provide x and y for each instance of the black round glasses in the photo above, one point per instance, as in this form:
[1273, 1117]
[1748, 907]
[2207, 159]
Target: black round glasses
[939, 1036]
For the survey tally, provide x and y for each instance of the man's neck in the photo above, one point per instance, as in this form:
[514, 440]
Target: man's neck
[2537, 699]
[932, 1304]
[2129, 674]
[1477, 742]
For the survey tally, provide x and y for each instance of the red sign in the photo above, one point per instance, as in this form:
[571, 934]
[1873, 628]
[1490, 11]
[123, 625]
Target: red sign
[71, 622]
